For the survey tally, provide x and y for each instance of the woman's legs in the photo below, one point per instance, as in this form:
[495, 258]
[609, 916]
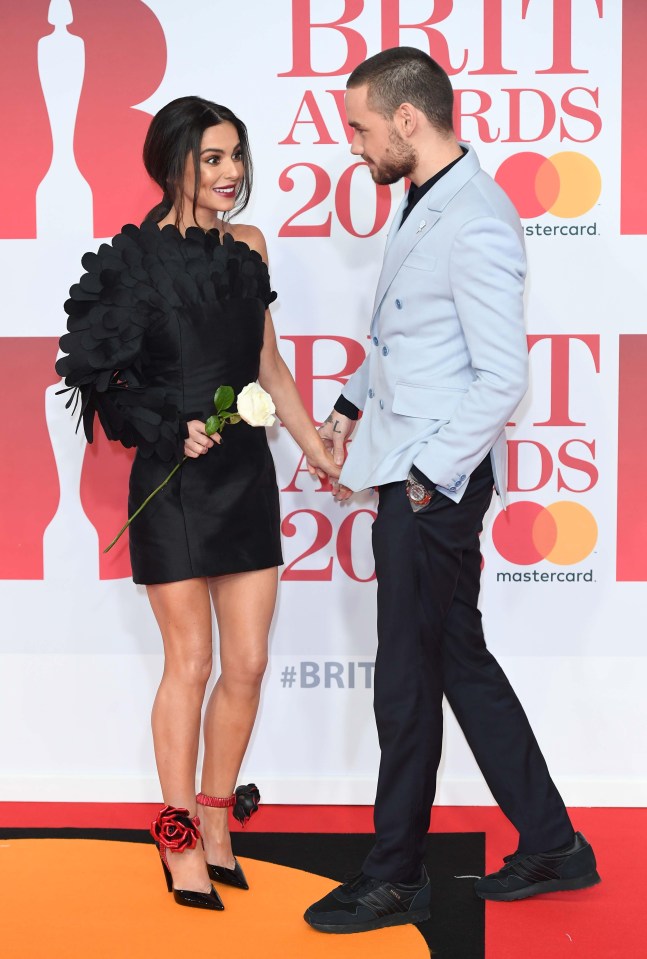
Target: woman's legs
[244, 605]
[183, 614]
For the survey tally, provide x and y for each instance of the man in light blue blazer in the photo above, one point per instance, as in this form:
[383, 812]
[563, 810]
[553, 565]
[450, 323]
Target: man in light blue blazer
[445, 370]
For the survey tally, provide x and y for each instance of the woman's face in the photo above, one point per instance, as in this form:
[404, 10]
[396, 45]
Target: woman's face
[220, 175]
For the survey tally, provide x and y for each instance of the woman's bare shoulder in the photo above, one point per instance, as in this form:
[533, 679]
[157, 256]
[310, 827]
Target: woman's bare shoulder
[251, 235]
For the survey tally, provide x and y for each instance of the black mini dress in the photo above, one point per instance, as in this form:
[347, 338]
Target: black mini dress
[157, 323]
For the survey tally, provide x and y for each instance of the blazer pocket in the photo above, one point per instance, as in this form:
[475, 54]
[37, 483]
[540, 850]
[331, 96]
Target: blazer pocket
[427, 402]
[419, 261]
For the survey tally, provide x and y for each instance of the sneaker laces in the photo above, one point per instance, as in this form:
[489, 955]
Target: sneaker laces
[360, 882]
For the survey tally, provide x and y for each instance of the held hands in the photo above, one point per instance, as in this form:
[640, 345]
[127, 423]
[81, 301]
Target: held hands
[325, 462]
[197, 441]
[334, 433]
[321, 463]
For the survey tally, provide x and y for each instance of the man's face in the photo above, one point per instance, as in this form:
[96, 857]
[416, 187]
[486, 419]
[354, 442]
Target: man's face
[377, 141]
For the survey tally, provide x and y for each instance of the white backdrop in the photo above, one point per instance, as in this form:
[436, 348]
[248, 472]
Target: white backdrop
[564, 583]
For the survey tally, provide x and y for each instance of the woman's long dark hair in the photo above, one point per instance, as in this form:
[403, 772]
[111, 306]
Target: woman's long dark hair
[175, 131]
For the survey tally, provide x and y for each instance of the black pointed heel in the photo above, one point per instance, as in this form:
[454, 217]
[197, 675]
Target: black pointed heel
[228, 877]
[174, 829]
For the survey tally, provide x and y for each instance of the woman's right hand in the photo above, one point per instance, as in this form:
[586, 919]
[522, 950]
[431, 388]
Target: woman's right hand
[197, 442]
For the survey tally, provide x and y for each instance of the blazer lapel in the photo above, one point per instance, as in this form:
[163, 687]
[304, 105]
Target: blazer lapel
[390, 237]
[399, 243]
[424, 216]
[419, 222]
[395, 223]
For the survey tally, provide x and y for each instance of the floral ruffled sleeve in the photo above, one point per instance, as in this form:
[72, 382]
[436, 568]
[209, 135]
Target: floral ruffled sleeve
[109, 312]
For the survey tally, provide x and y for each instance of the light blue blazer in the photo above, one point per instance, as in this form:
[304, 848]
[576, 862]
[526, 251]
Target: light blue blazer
[448, 362]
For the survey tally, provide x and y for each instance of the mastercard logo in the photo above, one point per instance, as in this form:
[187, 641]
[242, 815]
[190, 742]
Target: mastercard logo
[562, 533]
[566, 184]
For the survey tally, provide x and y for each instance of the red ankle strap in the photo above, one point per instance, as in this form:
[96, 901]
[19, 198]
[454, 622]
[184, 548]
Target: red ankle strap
[203, 800]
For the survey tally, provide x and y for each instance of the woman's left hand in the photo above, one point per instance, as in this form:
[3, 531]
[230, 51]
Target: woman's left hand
[321, 463]
[197, 442]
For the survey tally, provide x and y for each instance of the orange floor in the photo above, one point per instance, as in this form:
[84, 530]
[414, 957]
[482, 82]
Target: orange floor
[108, 900]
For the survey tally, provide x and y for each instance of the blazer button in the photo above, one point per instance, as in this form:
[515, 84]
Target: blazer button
[381, 404]
[385, 351]
[398, 304]
[375, 341]
[371, 394]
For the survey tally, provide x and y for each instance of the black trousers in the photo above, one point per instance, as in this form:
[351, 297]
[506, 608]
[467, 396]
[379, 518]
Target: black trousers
[430, 643]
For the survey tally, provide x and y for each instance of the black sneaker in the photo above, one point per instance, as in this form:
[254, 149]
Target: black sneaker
[569, 867]
[365, 903]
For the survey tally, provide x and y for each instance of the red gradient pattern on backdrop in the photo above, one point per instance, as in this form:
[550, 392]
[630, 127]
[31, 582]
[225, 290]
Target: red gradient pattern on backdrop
[631, 555]
[23, 116]
[125, 61]
[104, 497]
[29, 488]
[633, 196]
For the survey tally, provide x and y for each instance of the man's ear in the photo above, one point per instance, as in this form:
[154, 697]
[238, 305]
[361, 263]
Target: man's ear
[406, 119]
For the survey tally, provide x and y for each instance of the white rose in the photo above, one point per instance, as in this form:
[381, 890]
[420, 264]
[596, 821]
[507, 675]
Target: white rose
[255, 405]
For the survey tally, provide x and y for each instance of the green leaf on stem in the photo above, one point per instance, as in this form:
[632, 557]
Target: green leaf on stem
[223, 398]
[213, 425]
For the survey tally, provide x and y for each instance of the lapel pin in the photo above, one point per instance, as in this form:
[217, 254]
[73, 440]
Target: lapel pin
[423, 223]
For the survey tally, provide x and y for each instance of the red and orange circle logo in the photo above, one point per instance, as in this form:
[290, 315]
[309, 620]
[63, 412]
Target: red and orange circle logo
[564, 533]
[566, 184]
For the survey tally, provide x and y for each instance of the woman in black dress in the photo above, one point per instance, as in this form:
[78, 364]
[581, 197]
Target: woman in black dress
[164, 315]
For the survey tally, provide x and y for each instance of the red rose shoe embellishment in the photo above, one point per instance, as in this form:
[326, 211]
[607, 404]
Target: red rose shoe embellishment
[174, 829]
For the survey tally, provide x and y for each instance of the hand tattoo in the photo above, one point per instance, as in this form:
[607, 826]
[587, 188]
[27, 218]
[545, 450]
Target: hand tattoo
[335, 423]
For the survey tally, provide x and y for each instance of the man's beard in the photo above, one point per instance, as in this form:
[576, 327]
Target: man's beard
[401, 163]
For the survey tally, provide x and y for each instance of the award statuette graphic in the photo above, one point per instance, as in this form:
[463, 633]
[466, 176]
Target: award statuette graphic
[70, 542]
[63, 193]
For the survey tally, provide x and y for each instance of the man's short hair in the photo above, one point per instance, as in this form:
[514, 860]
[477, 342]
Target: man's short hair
[406, 75]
